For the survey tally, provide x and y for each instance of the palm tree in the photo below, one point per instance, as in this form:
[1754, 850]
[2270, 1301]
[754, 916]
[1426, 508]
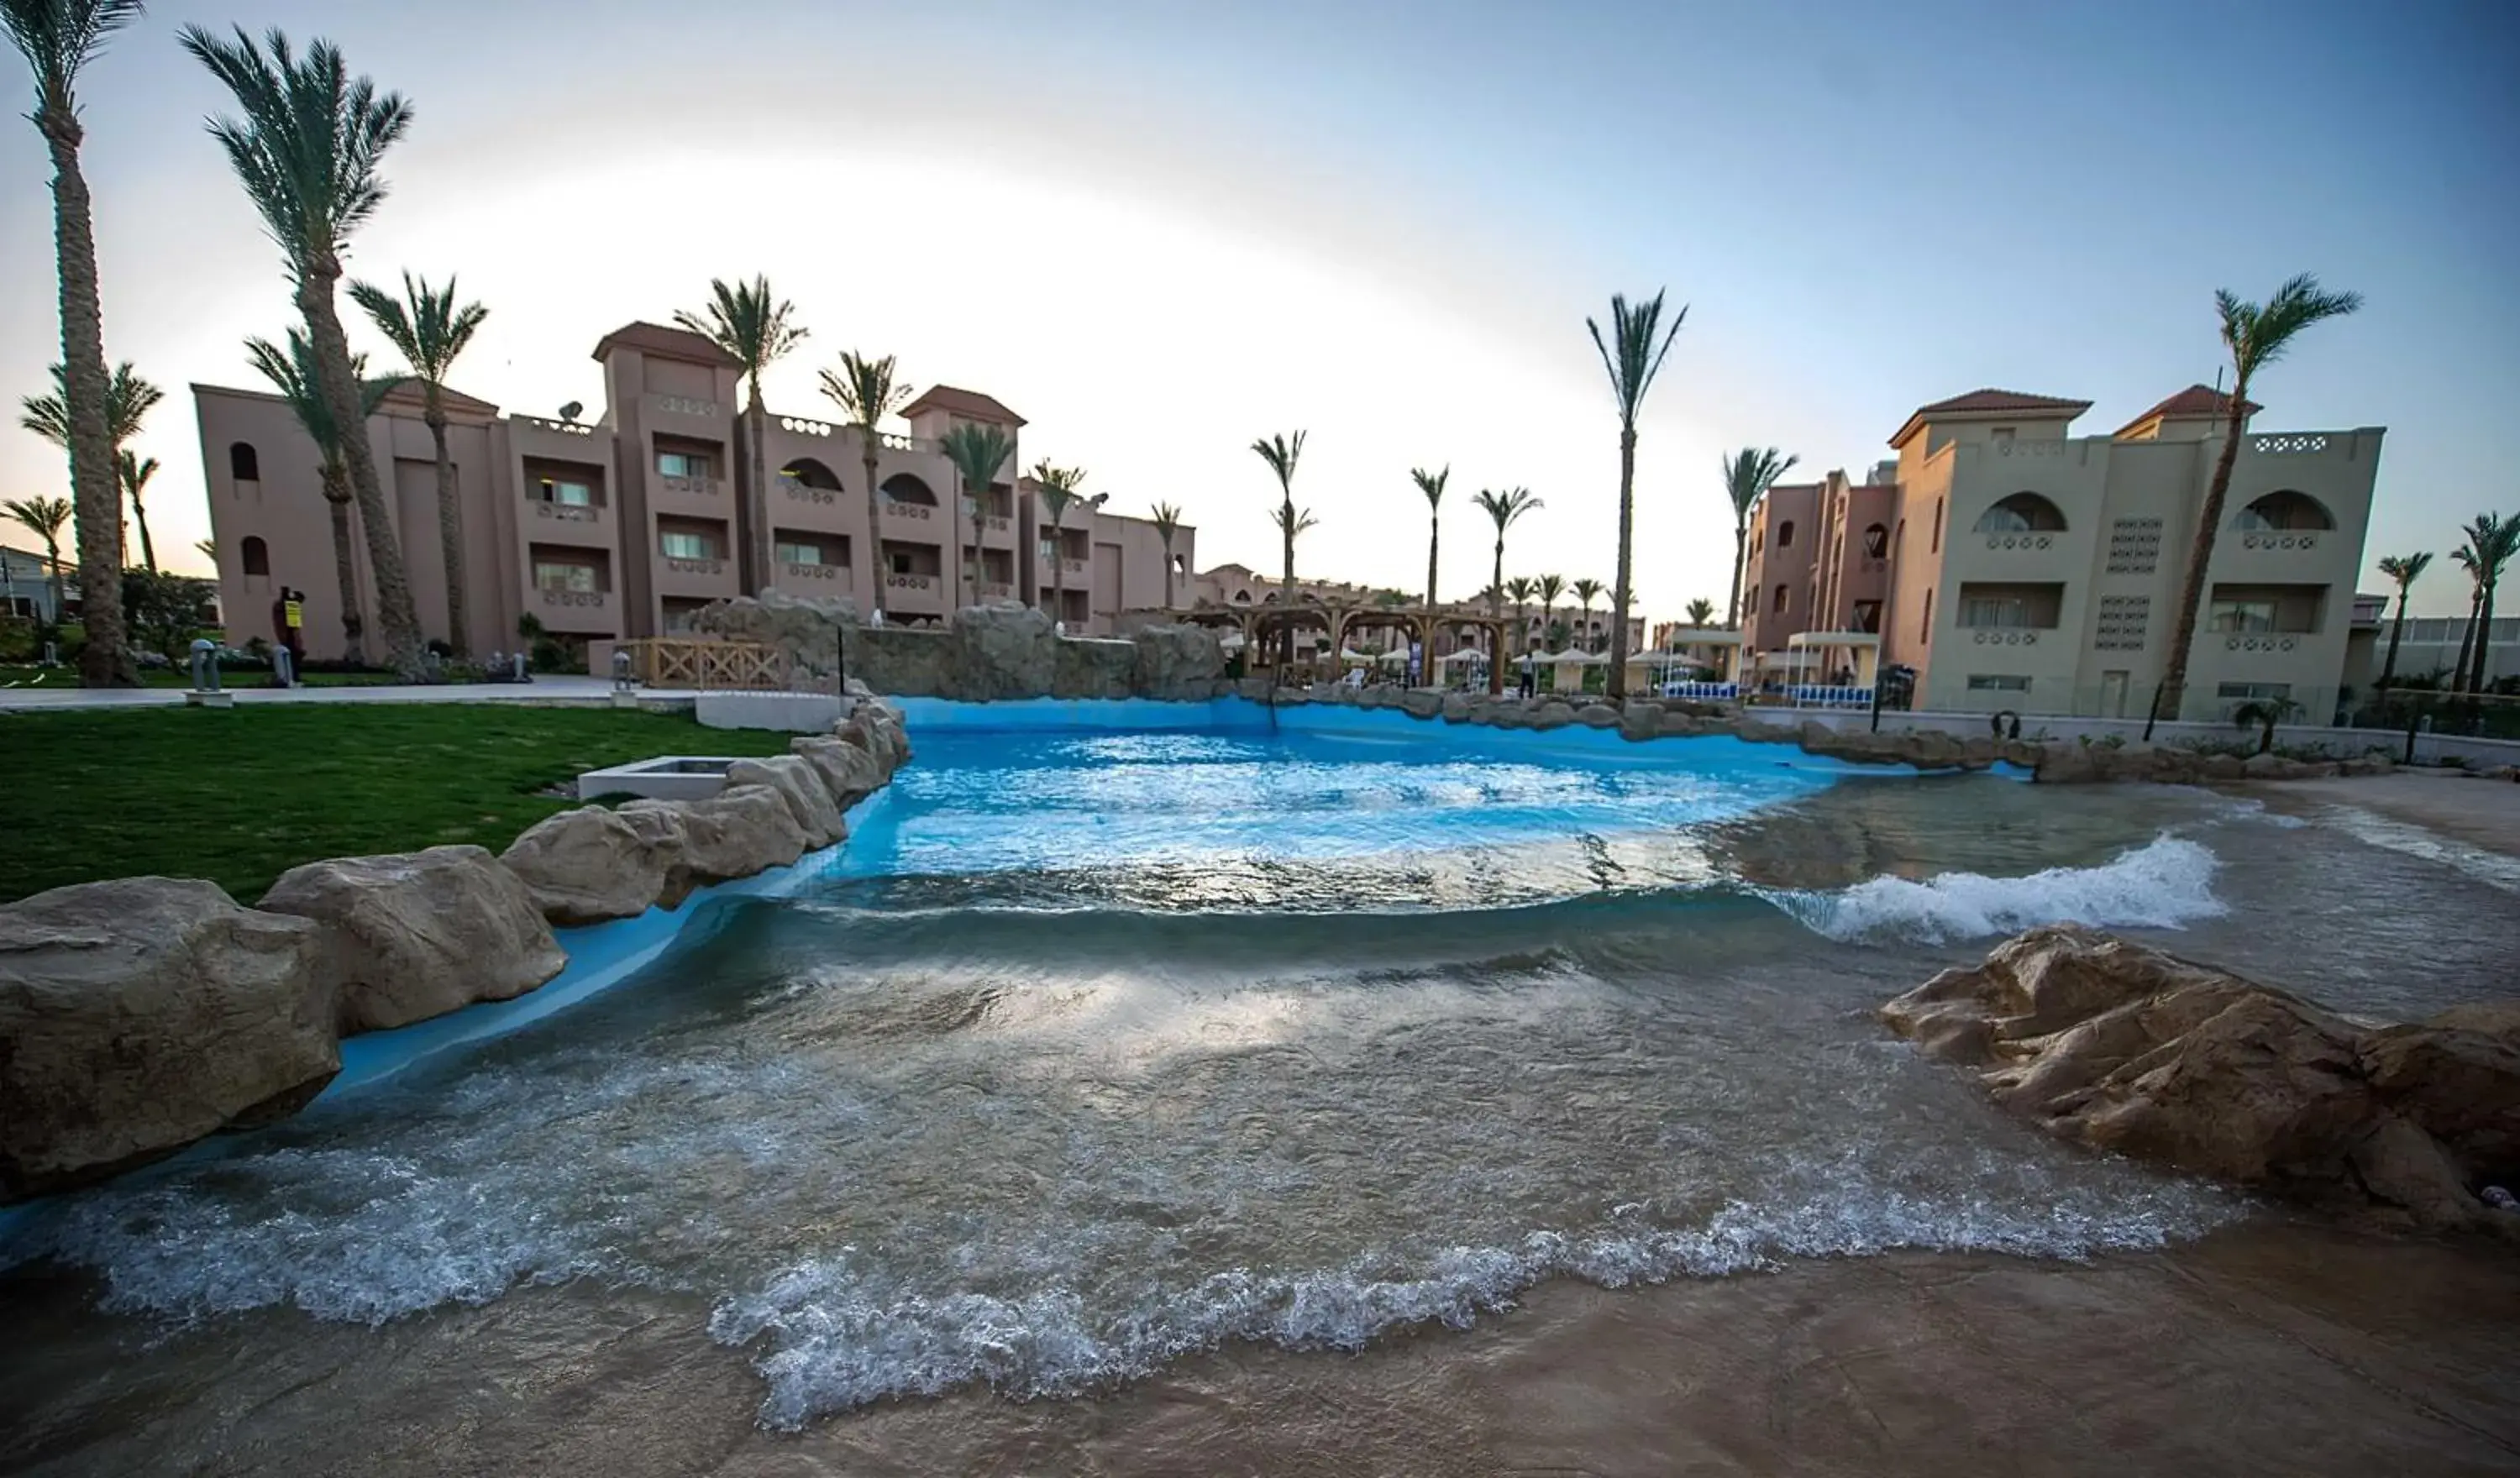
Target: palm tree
[1702, 611]
[45, 518]
[1587, 590]
[2263, 714]
[307, 151]
[1432, 485]
[1282, 452]
[1747, 477]
[866, 390]
[1060, 490]
[1551, 588]
[128, 400]
[751, 325]
[1519, 588]
[1504, 508]
[293, 373]
[1632, 369]
[2491, 543]
[428, 331]
[208, 549]
[2404, 571]
[58, 38]
[1167, 520]
[134, 474]
[2257, 337]
[976, 451]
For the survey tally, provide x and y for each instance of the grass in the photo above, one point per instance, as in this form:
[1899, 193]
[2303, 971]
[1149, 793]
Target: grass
[14, 675]
[240, 795]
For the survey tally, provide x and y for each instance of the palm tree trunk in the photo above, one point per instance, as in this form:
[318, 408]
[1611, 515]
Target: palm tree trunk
[875, 538]
[1616, 689]
[53, 557]
[147, 551]
[96, 487]
[1168, 574]
[2467, 644]
[1434, 534]
[1059, 569]
[1740, 551]
[2397, 629]
[345, 569]
[2476, 679]
[450, 524]
[339, 388]
[1496, 580]
[1287, 628]
[2200, 553]
[756, 498]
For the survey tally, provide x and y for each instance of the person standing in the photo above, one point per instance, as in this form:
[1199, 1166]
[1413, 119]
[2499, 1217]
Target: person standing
[292, 615]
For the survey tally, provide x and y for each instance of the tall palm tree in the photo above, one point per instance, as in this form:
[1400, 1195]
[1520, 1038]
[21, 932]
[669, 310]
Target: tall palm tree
[45, 518]
[307, 151]
[976, 451]
[1587, 590]
[128, 400]
[752, 325]
[294, 373]
[1632, 367]
[58, 38]
[2491, 543]
[1282, 452]
[1520, 589]
[428, 331]
[2404, 571]
[1167, 518]
[1550, 587]
[133, 473]
[2257, 337]
[1747, 476]
[1432, 485]
[865, 389]
[1503, 509]
[1702, 611]
[208, 549]
[1059, 489]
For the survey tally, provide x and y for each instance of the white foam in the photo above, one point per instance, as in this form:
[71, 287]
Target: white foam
[2166, 884]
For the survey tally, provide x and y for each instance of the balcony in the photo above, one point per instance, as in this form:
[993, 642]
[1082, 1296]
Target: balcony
[916, 522]
[995, 531]
[578, 518]
[573, 610]
[1051, 568]
[816, 579]
[993, 590]
[706, 577]
[706, 495]
[914, 594]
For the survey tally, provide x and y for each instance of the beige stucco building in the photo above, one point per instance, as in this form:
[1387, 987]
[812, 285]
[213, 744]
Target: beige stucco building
[627, 524]
[2013, 565]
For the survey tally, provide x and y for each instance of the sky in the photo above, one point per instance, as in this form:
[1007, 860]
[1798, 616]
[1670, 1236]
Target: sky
[1160, 231]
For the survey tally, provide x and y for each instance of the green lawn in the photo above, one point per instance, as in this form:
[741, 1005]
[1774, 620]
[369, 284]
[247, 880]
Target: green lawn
[239, 796]
[14, 675]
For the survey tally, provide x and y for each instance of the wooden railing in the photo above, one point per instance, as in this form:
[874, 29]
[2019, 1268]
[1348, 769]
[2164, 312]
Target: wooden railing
[697, 662]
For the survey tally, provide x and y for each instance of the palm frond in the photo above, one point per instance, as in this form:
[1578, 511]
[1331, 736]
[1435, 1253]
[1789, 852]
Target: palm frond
[292, 373]
[1636, 359]
[747, 321]
[425, 325]
[978, 452]
[1282, 452]
[866, 389]
[310, 141]
[44, 517]
[1506, 506]
[1167, 520]
[2258, 334]
[60, 37]
[128, 400]
[1749, 473]
[2405, 569]
[1302, 517]
[1431, 483]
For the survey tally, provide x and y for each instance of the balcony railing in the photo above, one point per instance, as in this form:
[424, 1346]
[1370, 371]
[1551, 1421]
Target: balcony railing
[2265, 640]
[2303, 540]
[685, 405]
[995, 590]
[585, 598]
[816, 572]
[689, 487]
[892, 443]
[564, 427]
[568, 512]
[2024, 539]
[896, 580]
[919, 510]
[684, 566]
[2003, 636]
[2293, 444]
[805, 493]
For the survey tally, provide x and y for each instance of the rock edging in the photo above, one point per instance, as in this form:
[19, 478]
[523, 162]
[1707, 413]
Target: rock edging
[2122, 1047]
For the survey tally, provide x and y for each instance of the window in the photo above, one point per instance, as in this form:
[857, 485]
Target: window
[551, 575]
[679, 545]
[1786, 534]
[682, 465]
[1778, 604]
[2242, 691]
[257, 557]
[2001, 433]
[2243, 616]
[1983, 682]
[1876, 541]
[1936, 547]
[1995, 610]
[2021, 514]
[901, 564]
[800, 553]
[243, 463]
[2285, 510]
[1868, 617]
[572, 494]
[1925, 628]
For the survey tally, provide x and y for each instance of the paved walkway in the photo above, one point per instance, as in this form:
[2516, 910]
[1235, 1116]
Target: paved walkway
[562, 687]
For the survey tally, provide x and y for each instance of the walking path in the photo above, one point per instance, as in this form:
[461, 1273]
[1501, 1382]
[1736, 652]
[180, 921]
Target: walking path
[559, 688]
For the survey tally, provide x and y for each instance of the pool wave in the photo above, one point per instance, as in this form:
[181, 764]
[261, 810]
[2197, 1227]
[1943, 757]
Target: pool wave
[2166, 884]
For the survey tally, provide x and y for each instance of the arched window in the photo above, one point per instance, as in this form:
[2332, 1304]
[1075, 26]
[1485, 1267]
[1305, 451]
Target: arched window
[2022, 513]
[1876, 541]
[1243, 598]
[906, 487]
[1925, 628]
[243, 464]
[2284, 510]
[806, 471]
[1778, 604]
[256, 554]
[1786, 534]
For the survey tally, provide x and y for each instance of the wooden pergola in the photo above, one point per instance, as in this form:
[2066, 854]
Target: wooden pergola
[1258, 625]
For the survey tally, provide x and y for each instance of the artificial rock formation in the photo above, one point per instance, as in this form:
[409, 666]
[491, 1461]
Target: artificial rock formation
[985, 653]
[592, 865]
[2124, 1049]
[418, 934]
[138, 1015]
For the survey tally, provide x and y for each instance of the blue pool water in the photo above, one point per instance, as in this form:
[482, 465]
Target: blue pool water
[1095, 1045]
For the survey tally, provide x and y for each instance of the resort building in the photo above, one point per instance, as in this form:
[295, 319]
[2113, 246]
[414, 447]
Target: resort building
[628, 525]
[29, 581]
[2009, 565]
[2429, 646]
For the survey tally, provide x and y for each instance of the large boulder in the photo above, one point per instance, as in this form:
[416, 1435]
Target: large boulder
[741, 830]
[1598, 716]
[2124, 1049]
[417, 934]
[1002, 650]
[810, 802]
[806, 629]
[877, 728]
[591, 864]
[138, 1015]
[849, 770]
[1183, 662]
